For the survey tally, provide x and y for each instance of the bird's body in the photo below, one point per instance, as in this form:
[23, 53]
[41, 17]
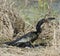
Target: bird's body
[27, 38]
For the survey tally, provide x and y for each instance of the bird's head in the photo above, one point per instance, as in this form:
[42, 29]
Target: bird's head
[49, 19]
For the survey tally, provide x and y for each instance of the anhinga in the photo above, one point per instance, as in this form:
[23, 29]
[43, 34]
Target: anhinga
[30, 37]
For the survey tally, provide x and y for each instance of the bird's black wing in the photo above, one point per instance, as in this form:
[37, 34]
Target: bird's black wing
[26, 38]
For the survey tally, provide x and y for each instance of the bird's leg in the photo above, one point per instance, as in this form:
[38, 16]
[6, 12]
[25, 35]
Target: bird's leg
[29, 44]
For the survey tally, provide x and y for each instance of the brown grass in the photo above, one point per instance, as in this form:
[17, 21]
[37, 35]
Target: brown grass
[10, 15]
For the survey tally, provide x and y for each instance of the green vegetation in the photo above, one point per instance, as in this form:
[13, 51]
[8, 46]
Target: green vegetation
[33, 13]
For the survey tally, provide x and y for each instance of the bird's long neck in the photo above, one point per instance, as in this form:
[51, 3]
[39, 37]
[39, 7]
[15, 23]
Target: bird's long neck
[40, 23]
[38, 26]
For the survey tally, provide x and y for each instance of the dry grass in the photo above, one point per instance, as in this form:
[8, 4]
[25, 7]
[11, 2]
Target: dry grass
[14, 51]
[10, 15]
[9, 21]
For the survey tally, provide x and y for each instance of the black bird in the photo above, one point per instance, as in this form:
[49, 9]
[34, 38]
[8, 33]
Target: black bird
[28, 38]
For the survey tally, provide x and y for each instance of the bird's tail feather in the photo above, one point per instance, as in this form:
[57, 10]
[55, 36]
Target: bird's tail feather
[10, 43]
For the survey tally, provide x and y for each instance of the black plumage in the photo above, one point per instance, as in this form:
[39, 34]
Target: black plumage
[30, 37]
[38, 26]
[24, 40]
